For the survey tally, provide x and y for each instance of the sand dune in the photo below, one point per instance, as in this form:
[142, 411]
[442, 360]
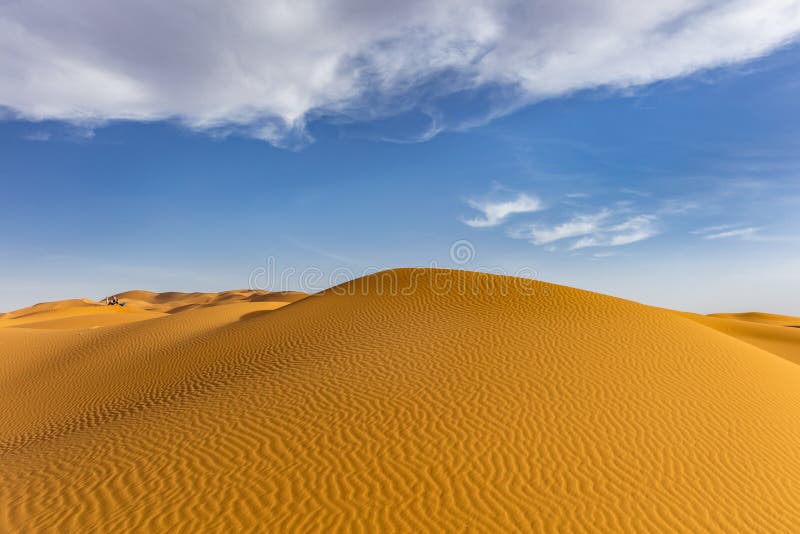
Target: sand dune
[406, 400]
[175, 302]
[774, 333]
[46, 307]
[138, 306]
[764, 318]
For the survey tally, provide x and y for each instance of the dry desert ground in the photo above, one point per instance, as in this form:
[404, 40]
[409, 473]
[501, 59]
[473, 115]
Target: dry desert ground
[408, 400]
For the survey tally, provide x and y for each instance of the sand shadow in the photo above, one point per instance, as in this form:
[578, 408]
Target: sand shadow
[255, 314]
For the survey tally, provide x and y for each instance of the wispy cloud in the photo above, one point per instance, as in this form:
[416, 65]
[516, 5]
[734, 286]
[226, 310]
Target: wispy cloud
[726, 231]
[715, 229]
[264, 69]
[630, 231]
[599, 255]
[495, 213]
[579, 225]
[39, 135]
[677, 206]
[606, 228]
[743, 232]
[739, 232]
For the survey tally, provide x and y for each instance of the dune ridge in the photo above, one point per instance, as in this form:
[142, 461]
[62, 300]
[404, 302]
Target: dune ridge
[413, 399]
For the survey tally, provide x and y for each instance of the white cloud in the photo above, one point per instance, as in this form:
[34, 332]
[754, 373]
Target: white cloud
[593, 230]
[630, 231]
[740, 232]
[714, 229]
[265, 68]
[725, 231]
[495, 213]
[577, 226]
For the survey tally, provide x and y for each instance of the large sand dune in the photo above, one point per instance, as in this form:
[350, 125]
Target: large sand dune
[406, 400]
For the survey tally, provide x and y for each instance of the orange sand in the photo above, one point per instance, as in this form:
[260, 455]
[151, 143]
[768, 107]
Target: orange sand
[496, 405]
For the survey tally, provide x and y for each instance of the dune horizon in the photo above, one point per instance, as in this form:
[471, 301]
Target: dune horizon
[165, 301]
[411, 399]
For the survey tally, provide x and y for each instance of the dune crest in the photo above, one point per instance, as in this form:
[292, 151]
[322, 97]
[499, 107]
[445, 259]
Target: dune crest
[413, 399]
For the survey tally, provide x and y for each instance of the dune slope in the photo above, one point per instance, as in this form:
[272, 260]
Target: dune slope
[406, 400]
[775, 334]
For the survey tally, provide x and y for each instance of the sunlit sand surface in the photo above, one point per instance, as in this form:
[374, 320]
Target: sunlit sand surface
[410, 400]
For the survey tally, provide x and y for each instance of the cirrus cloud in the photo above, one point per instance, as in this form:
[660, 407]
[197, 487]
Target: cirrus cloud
[630, 231]
[739, 232]
[580, 225]
[602, 229]
[264, 69]
[495, 213]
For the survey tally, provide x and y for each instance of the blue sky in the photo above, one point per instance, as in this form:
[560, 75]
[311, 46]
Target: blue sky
[681, 192]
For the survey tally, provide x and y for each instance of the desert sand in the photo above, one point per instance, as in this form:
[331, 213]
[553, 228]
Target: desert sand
[409, 400]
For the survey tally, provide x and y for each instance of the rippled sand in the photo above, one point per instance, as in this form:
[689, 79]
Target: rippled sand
[410, 400]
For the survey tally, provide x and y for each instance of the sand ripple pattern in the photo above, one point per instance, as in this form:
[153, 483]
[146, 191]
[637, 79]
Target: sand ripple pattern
[374, 410]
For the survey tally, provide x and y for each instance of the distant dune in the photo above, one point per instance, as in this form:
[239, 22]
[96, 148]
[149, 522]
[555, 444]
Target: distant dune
[174, 302]
[764, 318]
[408, 400]
[138, 306]
[778, 334]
